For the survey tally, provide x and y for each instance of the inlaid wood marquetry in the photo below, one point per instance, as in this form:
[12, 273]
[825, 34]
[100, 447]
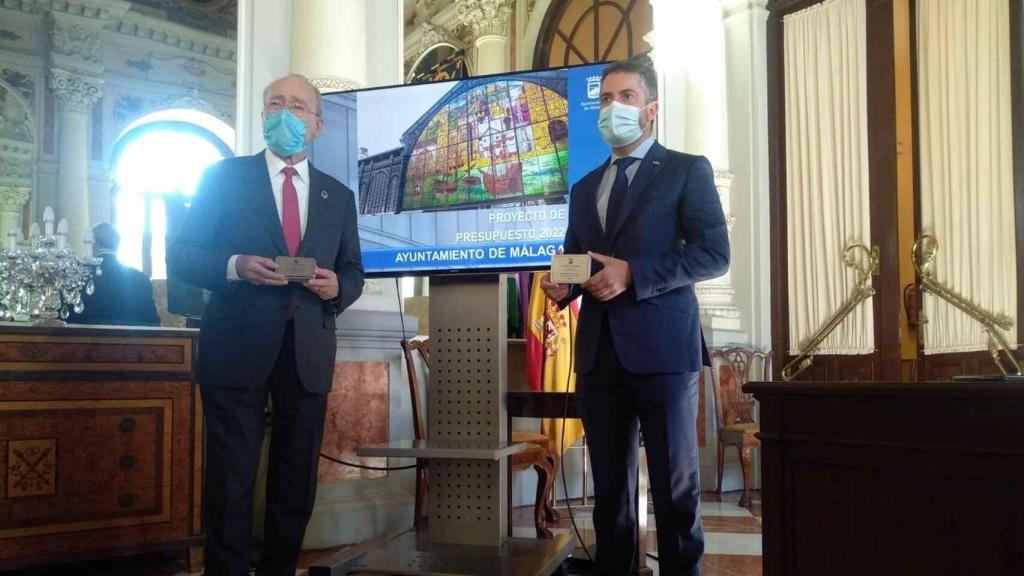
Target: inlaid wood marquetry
[113, 470]
[31, 468]
[94, 353]
[100, 443]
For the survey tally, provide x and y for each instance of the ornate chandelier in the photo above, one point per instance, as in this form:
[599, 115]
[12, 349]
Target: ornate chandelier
[41, 278]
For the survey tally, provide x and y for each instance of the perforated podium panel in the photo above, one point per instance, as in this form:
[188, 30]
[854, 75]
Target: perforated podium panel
[466, 401]
[468, 449]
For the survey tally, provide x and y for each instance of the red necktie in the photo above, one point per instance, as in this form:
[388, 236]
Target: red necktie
[290, 212]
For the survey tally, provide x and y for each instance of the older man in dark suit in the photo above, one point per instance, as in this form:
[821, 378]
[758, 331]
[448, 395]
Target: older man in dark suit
[261, 334]
[652, 221]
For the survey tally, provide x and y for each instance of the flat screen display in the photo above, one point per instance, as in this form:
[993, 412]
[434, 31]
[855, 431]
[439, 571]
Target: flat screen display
[467, 175]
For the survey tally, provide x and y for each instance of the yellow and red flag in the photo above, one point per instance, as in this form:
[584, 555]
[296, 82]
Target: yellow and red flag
[549, 358]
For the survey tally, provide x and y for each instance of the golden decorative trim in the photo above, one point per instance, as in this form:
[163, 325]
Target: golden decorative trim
[197, 464]
[861, 292]
[924, 252]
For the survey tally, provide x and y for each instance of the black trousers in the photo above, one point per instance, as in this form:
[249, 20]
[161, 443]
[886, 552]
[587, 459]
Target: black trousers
[614, 405]
[234, 436]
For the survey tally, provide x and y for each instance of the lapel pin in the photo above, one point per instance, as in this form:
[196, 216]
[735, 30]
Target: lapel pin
[323, 194]
[656, 162]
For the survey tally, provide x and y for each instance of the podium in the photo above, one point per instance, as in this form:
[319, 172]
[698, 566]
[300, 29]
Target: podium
[468, 447]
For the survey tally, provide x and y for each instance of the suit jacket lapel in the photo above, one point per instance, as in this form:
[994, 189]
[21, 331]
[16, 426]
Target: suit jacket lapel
[591, 220]
[589, 224]
[316, 209]
[645, 173]
[264, 202]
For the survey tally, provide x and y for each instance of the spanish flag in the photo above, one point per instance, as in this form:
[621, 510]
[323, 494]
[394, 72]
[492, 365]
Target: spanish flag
[549, 357]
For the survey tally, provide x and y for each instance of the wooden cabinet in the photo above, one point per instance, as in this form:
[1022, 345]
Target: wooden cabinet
[891, 478]
[100, 443]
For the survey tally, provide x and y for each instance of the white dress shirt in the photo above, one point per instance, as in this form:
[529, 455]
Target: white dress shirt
[605, 188]
[301, 182]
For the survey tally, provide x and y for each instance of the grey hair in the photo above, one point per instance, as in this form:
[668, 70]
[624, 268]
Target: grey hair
[641, 66]
[304, 80]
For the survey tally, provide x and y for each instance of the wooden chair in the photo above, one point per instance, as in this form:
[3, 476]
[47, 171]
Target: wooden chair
[409, 348]
[538, 456]
[731, 368]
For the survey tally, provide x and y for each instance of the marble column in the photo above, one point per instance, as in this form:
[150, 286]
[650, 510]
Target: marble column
[75, 77]
[746, 59]
[488, 22]
[331, 55]
[264, 55]
[76, 94]
[689, 54]
[386, 47]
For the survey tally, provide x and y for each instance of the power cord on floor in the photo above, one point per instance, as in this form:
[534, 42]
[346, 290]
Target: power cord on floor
[561, 451]
[398, 293]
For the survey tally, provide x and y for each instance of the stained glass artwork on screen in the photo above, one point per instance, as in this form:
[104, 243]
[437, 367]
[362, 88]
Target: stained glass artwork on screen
[504, 141]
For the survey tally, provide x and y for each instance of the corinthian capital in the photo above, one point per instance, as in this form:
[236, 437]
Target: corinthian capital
[332, 83]
[12, 198]
[76, 93]
[485, 17]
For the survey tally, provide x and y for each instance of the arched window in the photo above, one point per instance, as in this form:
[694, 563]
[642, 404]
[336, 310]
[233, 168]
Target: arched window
[378, 190]
[589, 31]
[157, 163]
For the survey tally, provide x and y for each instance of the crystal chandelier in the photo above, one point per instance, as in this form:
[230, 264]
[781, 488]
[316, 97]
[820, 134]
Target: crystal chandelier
[41, 278]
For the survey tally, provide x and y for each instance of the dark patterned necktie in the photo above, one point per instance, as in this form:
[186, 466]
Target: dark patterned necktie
[618, 191]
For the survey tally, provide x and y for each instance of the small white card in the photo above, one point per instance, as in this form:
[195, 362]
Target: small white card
[570, 268]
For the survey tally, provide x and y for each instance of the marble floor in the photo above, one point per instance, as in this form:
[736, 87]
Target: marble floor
[732, 544]
[732, 535]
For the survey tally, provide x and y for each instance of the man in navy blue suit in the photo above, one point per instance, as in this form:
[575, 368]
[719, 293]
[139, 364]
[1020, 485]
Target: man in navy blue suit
[262, 335]
[651, 220]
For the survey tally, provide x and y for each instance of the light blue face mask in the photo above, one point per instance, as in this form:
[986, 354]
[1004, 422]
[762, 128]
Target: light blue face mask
[284, 133]
[619, 124]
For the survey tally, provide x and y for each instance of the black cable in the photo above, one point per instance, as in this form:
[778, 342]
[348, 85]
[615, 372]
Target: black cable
[398, 293]
[561, 452]
[364, 467]
[401, 316]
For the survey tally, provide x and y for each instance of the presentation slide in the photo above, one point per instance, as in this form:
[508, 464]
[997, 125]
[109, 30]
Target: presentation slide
[464, 175]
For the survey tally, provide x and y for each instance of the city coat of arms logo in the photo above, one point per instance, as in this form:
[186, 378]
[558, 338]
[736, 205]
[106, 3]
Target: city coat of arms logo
[593, 87]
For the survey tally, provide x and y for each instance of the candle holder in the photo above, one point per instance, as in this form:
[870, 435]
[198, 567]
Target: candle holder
[41, 278]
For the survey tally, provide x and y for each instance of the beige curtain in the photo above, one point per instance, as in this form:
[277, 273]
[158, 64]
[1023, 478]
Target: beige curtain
[965, 149]
[826, 170]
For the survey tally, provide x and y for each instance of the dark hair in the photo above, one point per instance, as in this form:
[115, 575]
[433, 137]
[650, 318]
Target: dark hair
[106, 236]
[641, 66]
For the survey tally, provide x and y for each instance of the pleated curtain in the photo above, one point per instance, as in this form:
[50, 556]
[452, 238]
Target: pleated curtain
[965, 148]
[827, 195]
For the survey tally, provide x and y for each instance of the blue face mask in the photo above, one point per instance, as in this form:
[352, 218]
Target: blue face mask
[284, 133]
[619, 124]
